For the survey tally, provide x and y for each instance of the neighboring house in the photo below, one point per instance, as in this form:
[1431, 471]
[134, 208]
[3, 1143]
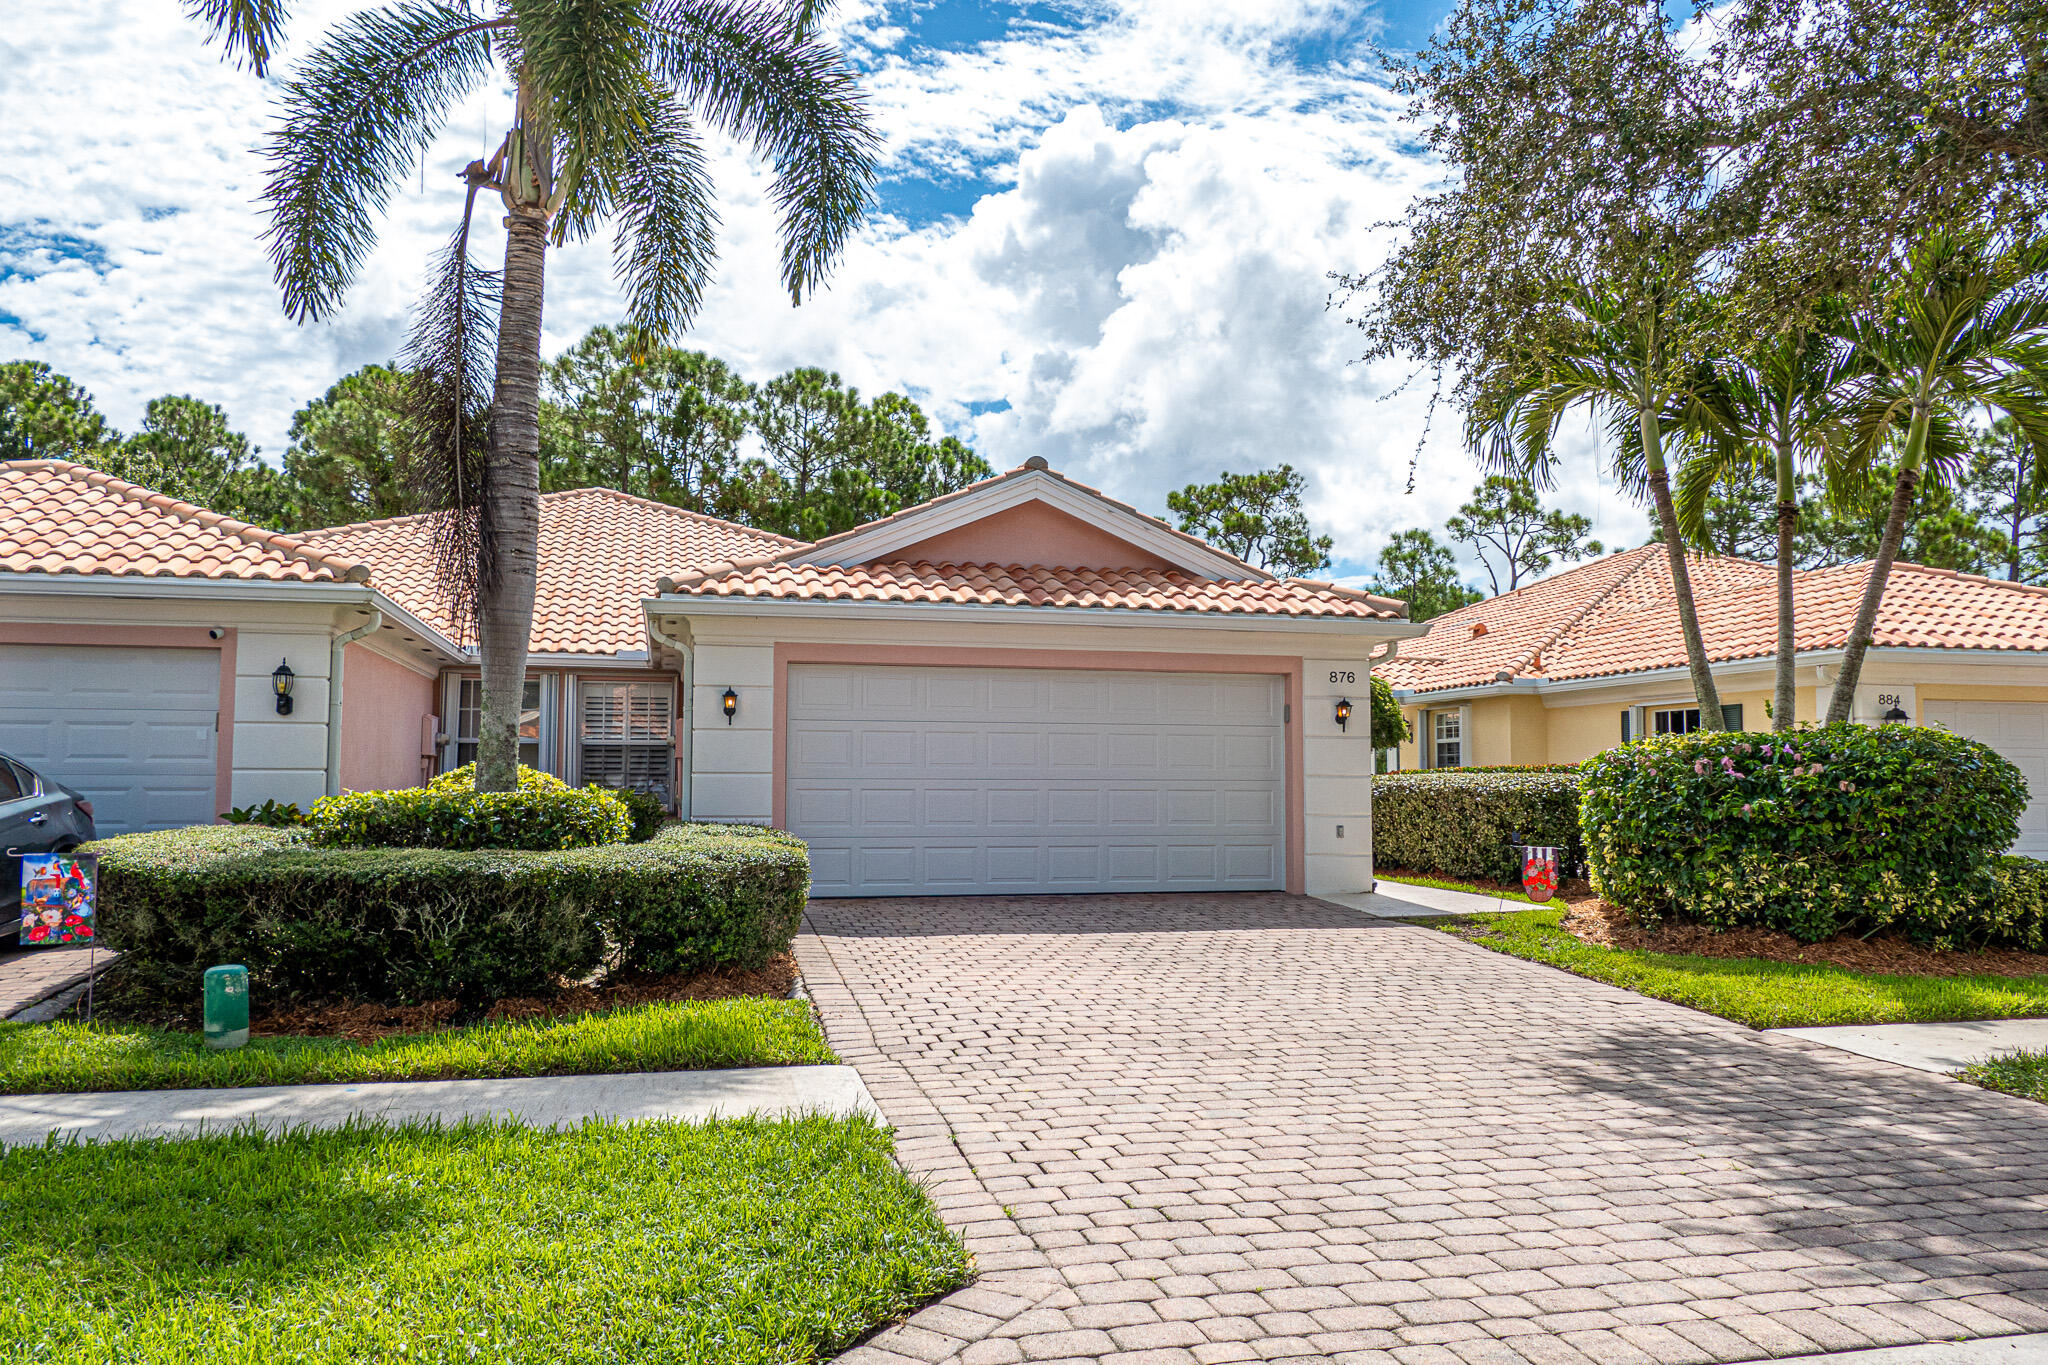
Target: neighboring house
[1587, 659]
[1020, 687]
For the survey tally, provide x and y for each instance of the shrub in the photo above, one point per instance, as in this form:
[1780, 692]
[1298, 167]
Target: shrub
[1840, 828]
[2017, 911]
[449, 813]
[646, 812]
[270, 813]
[1464, 822]
[408, 924]
[1389, 726]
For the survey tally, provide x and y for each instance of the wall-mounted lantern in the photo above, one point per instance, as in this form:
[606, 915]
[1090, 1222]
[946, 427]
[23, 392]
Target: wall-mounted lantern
[730, 703]
[281, 683]
[1344, 714]
[1896, 716]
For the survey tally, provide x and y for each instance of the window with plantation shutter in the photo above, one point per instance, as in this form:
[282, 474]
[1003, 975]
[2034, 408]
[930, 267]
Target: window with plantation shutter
[627, 734]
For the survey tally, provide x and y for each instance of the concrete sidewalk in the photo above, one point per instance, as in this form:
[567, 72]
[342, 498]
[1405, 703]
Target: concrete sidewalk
[1941, 1048]
[1398, 900]
[550, 1101]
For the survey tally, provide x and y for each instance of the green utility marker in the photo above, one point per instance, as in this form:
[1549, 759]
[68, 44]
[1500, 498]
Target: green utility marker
[227, 1007]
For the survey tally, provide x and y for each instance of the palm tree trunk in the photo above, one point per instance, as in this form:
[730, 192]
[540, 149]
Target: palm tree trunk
[511, 510]
[1681, 581]
[1784, 695]
[1858, 643]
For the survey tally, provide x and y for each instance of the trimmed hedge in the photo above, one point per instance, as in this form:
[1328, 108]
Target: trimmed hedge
[402, 925]
[1463, 822]
[1828, 830]
[646, 812]
[450, 813]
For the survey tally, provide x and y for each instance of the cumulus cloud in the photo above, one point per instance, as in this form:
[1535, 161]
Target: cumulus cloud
[1133, 283]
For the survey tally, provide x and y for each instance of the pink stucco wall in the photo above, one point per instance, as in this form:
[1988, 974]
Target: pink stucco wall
[1031, 533]
[381, 706]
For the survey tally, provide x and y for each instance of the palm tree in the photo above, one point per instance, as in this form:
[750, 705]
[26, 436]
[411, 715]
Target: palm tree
[608, 98]
[1775, 406]
[1618, 359]
[1963, 329]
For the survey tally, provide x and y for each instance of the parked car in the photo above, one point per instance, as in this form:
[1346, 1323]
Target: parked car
[38, 814]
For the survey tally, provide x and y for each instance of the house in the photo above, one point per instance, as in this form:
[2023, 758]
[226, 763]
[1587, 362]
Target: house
[1024, 686]
[1587, 659]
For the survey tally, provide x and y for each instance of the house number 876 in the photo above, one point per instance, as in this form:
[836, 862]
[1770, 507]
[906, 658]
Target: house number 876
[1342, 676]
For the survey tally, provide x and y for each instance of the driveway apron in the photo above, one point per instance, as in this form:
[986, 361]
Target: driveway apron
[1256, 1127]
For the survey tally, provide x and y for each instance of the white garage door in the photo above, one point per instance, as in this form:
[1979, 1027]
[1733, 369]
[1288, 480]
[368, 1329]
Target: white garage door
[131, 728]
[940, 781]
[2019, 730]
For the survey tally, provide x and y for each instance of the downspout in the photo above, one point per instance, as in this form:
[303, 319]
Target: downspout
[334, 671]
[683, 788]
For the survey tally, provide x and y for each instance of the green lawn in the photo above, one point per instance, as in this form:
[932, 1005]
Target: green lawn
[689, 1036]
[735, 1241]
[2016, 1073]
[1756, 991]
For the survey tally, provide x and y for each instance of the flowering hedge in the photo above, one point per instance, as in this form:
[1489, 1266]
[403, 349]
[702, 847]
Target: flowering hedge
[1840, 828]
[545, 813]
[1463, 821]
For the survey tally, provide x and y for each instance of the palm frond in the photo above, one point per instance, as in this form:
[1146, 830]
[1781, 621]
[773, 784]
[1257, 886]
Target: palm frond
[667, 220]
[755, 73]
[449, 362]
[358, 116]
[247, 30]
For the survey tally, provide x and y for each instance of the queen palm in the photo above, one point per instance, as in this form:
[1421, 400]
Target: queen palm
[1616, 357]
[1963, 328]
[1774, 407]
[608, 100]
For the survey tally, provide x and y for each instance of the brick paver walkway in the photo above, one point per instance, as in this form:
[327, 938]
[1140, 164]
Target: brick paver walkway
[31, 974]
[1199, 1129]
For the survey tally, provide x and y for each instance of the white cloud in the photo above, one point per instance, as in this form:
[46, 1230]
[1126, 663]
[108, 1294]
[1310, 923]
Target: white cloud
[1162, 190]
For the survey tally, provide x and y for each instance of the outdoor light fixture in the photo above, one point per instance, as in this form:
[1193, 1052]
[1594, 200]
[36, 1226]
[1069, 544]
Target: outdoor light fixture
[281, 683]
[1896, 716]
[1344, 714]
[731, 703]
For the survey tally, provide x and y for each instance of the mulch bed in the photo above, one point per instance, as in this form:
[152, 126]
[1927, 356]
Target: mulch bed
[358, 1021]
[1596, 922]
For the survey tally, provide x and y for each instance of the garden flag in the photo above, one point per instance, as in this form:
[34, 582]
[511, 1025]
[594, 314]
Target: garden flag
[1539, 872]
[59, 892]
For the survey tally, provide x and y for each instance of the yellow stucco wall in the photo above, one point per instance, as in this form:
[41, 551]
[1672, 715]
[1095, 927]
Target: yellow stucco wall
[1521, 729]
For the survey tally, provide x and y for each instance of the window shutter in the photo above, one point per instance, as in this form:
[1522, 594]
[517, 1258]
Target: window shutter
[628, 734]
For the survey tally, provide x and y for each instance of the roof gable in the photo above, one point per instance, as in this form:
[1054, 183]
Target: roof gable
[948, 519]
[1033, 532]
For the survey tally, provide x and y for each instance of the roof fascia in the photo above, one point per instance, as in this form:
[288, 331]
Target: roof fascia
[684, 605]
[1033, 485]
[235, 589]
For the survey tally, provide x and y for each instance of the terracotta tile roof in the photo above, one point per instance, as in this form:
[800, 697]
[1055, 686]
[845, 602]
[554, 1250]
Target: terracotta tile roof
[62, 518]
[1619, 615]
[1033, 586]
[600, 553]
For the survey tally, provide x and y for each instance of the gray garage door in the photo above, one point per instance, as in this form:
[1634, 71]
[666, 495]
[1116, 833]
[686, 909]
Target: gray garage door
[131, 728]
[947, 781]
[2019, 730]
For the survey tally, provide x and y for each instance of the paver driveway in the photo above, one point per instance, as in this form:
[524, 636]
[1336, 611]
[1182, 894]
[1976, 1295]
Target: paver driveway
[1258, 1127]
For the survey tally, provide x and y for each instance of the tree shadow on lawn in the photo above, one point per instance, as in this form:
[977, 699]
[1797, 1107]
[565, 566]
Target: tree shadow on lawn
[1144, 913]
[244, 1212]
[1798, 1147]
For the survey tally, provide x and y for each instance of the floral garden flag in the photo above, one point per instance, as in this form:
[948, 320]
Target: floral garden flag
[59, 893]
[1539, 872]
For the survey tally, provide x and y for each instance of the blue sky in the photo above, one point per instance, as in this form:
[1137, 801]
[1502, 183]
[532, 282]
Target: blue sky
[1104, 235]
